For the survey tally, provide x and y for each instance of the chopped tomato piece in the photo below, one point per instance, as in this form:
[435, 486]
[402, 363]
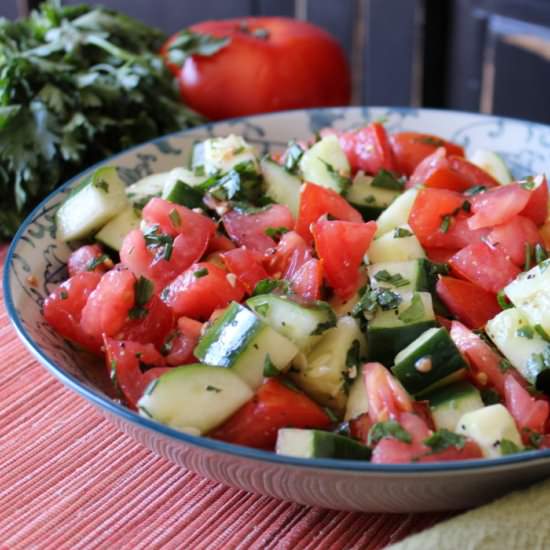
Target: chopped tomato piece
[246, 265]
[470, 172]
[63, 309]
[537, 206]
[360, 426]
[411, 148]
[469, 303]
[484, 266]
[435, 172]
[274, 406]
[291, 253]
[316, 201]
[106, 310]
[250, 229]
[341, 246]
[151, 326]
[393, 451]
[308, 280]
[180, 345]
[368, 149]
[428, 212]
[529, 413]
[484, 361]
[386, 396]
[200, 290]
[545, 235]
[497, 206]
[174, 219]
[469, 451]
[125, 361]
[89, 257]
[439, 255]
[513, 236]
[219, 243]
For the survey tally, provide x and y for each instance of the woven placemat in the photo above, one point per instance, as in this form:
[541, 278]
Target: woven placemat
[68, 479]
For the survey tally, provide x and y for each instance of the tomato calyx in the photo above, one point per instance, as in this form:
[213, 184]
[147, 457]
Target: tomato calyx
[187, 43]
[259, 32]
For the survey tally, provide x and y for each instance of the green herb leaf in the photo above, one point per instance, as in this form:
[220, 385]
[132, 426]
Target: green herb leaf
[270, 370]
[292, 157]
[504, 365]
[528, 256]
[430, 140]
[175, 218]
[102, 184]
[415, 312]
[508, 447]
[267, 286]
[386, 180]
[443, 439]
[490, 397]
[390, 429]
[353, 356]
[162, 243]
[202, 272]
[475, 190]
[528, 183]
[189, 43]
[275, 232]
[63, 294]
[96, 262]
[330, 413]
[503, 300]
[143, 290]
[540, 254]
[446, 222]
[213, 388]
[401, 232]
[397, 280]
[343, 181]
[526, 332]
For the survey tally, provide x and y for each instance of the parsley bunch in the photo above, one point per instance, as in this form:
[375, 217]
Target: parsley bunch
[76, 85]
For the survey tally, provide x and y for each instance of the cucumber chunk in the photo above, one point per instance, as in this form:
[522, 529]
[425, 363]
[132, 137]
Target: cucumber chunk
[358, 402]
[526, 350]
[280, 185]
[429, 359]
[239, 340]
[324, 372]
[326, 164]
[406, 276]
[194, 398]
[530, 293]
[319, 444]
[113, 233]
[221, 154]
[391, 330]
[100, 197]
[492, 164]
[370, 201]
[302, 324]
[398, 245]
[143, 190]
[397, 213]
[450, 403]
[488, 427]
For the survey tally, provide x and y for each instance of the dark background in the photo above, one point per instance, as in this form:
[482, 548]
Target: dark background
[491, 56]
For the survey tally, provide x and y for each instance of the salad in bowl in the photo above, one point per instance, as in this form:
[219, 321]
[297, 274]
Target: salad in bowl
[363, 294]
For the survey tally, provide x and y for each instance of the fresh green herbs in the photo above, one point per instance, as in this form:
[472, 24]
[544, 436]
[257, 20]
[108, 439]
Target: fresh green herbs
[330, 413]
[429, 140]
[371, 299]
[213, 388]
[276, 232]
[187, 43]
[270, 370]
[538, 362]
[526, 332]
[415, 312]
[390, 429]
[401, 232]
[540, 254]
[508, 447]
[201, 272]
[443, 439]
[490, 397]
[241, 183]
[102, 185]
[343, 181]
[445, 223]
[143, 290]
[63, 294]
[96, 262]
[175, 218]
[503, 300]
[266, 286]
[475, 190]
[161, 243]
[528, 183]
[77, 84]
[397, 280]
[386, 180]
[528, 256]
[504, 365]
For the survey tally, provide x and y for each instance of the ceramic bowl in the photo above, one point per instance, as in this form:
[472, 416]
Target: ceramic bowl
[36, 264]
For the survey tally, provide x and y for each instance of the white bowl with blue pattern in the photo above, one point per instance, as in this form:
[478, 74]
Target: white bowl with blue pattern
[36, 264]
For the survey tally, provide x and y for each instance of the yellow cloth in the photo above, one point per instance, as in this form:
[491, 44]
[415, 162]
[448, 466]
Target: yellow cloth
[519, 521]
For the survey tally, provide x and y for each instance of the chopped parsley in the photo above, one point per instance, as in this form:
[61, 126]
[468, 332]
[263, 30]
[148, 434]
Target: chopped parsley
[504, 365]
[202, 272]
[528, 183]
[102, 184]
[143, 290]
[63, 294]
[213, 388]
[175, 218]
[323, 327]
[370, 199]
[275, 232]
[292, 157]
[430, 140]
[540, 254]
[397, 280]
[266, 286]
[160, 242]
[270, 370]
[445, 223]
[526, 332]
[443, 439]
[490, 397]
[538, 362]
[476, 189]
[353, 356]
[343, 181]
[528, 256]
[400, 232]
[542, 333]
[415, 312]
[503, 300]
[371, 299]
[330, 414]
[96, 262]
[390, 429]
[508, 447]
[169, 343]
[386, 180]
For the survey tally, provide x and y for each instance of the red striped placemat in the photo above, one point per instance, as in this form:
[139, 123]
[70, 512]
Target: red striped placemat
[68, 479]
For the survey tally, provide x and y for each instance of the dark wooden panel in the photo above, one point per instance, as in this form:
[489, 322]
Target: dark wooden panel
[274, 7]
[171, 16]
[337, 17]
[392, 60]
[8, 9]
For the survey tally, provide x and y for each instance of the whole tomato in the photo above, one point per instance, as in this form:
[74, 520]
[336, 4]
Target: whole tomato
[269, 64]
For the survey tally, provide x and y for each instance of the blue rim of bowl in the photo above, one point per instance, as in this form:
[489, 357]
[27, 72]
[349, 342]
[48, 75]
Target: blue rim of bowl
[214, 445]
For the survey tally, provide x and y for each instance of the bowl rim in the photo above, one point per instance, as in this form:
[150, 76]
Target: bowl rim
[116, 409]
